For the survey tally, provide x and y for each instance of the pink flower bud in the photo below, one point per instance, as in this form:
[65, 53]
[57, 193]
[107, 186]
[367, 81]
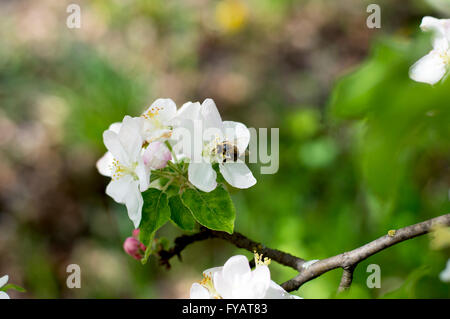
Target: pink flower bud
[156, 155]
[136, 233]
[134, 248]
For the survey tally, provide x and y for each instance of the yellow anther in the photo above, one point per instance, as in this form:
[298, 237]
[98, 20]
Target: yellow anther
[152, 112]
[208, 284]
[117, 170]
[259, 261]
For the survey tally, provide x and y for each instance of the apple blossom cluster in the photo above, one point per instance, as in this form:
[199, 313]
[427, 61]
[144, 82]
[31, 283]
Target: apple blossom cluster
[236, 280]
[436, 64]
[181, 146]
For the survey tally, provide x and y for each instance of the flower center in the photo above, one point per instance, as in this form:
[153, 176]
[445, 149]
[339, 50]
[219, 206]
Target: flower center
[118, 170]
[259, 261]
[151, 112]
[208, 284]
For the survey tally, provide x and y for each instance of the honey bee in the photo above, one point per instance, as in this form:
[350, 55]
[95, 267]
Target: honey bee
[228, 150]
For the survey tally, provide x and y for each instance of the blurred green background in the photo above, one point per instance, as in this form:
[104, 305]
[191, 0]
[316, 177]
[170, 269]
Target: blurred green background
[363, 149]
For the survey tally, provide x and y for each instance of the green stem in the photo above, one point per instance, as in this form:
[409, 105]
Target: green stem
[171, 151]
[175, 168]
[167, 184]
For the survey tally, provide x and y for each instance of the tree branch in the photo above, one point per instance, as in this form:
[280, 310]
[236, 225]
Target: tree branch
[347, 260]
[352, 258]
[236, 239]
[347, 278]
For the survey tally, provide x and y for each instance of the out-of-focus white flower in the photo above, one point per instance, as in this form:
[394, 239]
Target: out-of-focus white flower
[3, 281]
[236, 280]
[222, 142]
[445, 274]
[435, 65]
[158, 120]
[124, 164]
[156, 155]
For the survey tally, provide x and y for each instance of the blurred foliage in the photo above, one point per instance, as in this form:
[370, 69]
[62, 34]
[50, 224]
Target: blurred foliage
[363, 149]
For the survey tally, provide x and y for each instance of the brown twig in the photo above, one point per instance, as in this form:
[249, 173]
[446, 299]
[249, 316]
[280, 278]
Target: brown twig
[347, 278]
[236, 239]
[347, 260]
[352, 258]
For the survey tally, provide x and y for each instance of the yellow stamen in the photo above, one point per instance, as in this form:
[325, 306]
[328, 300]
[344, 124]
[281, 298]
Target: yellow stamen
[152, 112]
[117, 169]
[208, 284]
[259, 261]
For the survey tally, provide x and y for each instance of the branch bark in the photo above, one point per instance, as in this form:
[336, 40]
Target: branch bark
[236, 239]
[347, 260]
[347, 278]
[352, 258]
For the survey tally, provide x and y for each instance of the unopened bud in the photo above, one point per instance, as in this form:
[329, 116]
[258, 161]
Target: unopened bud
[134, 248]
[156, 155]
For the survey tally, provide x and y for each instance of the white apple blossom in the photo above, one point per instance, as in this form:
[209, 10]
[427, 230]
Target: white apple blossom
[222, 142]
[157, 124]
[125, 165]
[236, 280]
[3, 281]
[445, 274]
[435, 65]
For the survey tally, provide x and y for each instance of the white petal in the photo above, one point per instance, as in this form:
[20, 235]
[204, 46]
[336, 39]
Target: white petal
[115, 127]
[211, 116]
[238, 134]
[134, 202]
[222, 286]
[130, 137]
[432, 24]
[104, 164]
[113, 145]
[118, 188]
[236, 266]
[260, 281]
[143, 173]
[429, 69]
[166, 109]
[202, 176]
[4, 295]
[237, 174]
[441, 29]
[188, 139]
[199, 292]
[211, 271]
[275, 291]
[189, 111]
[3, 280]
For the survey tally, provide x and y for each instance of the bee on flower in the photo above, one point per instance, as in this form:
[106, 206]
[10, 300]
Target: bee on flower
[141, 146]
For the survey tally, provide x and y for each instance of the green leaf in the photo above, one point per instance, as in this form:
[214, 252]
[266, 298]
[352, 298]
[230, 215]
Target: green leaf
[180, 214]
[12, 286]
[214, 210]
[155, 213]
